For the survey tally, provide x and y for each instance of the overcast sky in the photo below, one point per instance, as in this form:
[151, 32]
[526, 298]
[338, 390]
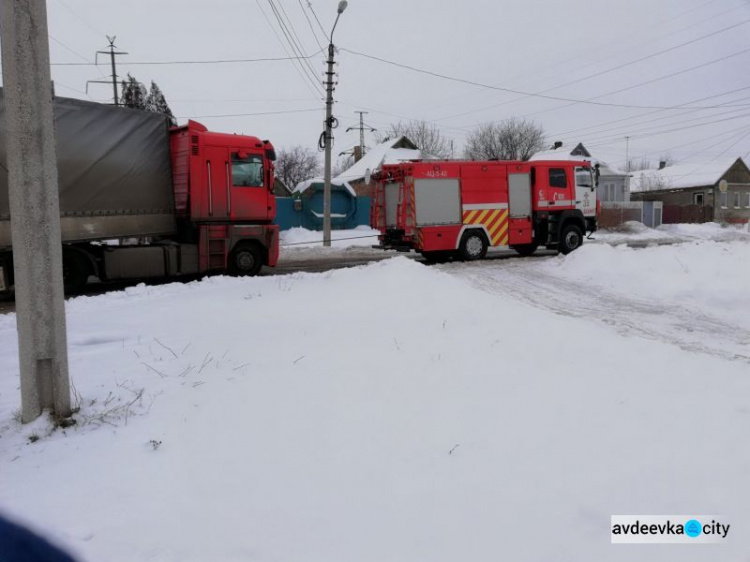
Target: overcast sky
[575, 50]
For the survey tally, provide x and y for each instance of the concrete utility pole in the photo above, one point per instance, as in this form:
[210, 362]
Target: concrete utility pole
[362, 128]
[113, 62]
[34, 209]
[329, 130]
[627, 154]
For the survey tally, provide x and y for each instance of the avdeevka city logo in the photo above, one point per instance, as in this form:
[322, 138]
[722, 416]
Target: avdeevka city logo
[686, 529]
[693, 528]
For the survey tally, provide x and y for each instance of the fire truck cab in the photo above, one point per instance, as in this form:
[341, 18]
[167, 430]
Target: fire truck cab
[446, 209]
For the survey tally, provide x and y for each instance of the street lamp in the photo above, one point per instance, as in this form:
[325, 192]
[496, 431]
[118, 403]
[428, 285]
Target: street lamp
[329, 131]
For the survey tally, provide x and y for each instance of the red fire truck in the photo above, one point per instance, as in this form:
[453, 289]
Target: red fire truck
[446, 209]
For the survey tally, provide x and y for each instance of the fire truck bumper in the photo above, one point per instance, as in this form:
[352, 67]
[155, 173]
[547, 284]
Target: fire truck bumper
[394, 240]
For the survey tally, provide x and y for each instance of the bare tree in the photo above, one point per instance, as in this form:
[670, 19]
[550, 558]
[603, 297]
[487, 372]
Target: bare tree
[636, 165]
[428, 137]
[296, 165]
[512, 139]
[342, 165]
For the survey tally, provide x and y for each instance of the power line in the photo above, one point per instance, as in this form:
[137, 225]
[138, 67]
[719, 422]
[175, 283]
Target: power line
[678, 129]
[530, 94]
[320, 25]
[286, 24]
[178, 62]
[252, 114]
[702, 151]
[79, 18]
[296, 49]
[682, 105]
[312, 28]
[631, 132]
[658, 24]
[607, 71]
[314, 90]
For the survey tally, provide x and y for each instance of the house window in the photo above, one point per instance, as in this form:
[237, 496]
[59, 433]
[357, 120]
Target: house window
[698, 199]
[736, 199]
[747, 199]
[724, 198]
[557, 178]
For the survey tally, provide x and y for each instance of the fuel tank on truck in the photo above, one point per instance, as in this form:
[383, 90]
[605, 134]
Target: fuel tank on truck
[114, 172]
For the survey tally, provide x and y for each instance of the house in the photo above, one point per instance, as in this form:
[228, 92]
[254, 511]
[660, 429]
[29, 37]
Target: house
[389, 152]
[280, 188]
[718, 190]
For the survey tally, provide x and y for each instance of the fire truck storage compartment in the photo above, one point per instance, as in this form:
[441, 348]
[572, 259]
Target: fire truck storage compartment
[519, 196]
[438, 201]
[392, 191]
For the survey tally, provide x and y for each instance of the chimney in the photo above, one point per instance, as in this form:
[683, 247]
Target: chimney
[662, 164]
[557, 145]
[357, 153]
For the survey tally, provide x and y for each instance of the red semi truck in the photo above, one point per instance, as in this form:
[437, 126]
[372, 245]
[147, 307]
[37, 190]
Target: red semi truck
[139, 199]
[446, 209]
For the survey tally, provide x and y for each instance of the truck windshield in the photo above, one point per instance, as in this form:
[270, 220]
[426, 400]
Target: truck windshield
[584, 178]
[247, 171]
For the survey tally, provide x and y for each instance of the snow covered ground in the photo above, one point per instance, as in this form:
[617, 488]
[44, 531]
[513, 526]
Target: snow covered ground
[302, 245]
[670, 233]
[487, 411]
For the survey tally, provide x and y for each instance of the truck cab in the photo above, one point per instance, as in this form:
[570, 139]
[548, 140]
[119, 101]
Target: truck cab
[223, 186]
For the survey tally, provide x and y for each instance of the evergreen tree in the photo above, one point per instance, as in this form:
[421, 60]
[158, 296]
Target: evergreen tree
[157, 103]
[133, 93]
[135, 96]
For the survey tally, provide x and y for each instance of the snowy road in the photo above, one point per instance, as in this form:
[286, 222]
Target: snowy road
[529, 281]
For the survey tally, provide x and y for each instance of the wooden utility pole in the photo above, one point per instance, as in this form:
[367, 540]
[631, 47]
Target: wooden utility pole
[34, 209]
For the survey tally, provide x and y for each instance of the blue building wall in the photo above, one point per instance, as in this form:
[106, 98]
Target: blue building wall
[354, 211]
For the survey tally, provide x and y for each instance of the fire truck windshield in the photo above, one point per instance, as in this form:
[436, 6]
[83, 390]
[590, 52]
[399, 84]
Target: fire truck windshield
[584, 178]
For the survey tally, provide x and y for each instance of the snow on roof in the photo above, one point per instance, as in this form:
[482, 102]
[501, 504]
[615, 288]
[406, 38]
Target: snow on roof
[681, 176]
[335, 183]
[384, 153]
[563, 155]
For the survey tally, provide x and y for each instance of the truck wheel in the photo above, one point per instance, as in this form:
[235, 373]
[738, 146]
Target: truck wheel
[571, 239]
[525, 249]
[75, 272]
[473, 246]
[245, 260]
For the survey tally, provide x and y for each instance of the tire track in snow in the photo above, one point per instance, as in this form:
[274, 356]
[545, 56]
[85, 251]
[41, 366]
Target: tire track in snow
[688, 329]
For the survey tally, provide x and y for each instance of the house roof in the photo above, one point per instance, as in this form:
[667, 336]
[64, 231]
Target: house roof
[389, 152]
[320, 182]
[682, 176]
[578, 153]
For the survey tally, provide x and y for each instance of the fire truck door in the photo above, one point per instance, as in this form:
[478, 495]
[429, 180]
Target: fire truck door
[519, 202]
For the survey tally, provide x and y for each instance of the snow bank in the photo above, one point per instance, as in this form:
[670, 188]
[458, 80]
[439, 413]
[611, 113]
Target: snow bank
[387, 412]
[704, 276]
[633, 231]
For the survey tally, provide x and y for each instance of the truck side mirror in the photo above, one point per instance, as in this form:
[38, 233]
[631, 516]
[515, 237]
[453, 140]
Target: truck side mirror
[597, 173]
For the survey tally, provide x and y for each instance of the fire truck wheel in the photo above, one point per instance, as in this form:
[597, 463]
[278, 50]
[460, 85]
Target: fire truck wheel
[473, 245]
[525, 249]
[245, 260]
[75, 272]
[571, 238]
